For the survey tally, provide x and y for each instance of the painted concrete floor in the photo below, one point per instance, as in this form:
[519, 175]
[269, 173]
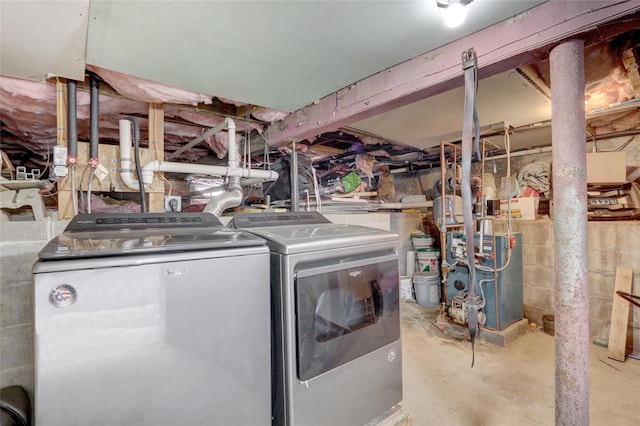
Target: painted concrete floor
[512, 385]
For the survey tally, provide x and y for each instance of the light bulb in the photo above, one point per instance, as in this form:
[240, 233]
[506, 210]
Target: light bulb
[454, 15]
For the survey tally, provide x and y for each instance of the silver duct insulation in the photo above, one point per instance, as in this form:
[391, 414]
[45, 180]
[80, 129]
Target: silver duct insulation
[231, 198]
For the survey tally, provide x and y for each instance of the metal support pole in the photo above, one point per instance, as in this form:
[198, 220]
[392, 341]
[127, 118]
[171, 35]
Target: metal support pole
[293, 174]
[570, 234]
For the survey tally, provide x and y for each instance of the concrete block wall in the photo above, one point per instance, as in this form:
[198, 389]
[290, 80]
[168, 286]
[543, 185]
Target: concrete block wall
[372, 220]
[611, 245]
[20, 243]
[537, 267]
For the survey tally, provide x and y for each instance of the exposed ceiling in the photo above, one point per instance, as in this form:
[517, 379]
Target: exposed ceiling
[256, 60]
[277, 54]
[503, 98]
[520, 100]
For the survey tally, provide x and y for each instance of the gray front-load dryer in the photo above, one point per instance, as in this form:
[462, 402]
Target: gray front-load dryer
[152, 319]
[336, 343]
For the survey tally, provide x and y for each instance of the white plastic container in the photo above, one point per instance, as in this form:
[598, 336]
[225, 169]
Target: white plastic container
[406, 289]
[428, 260]
[427, 288]
[411, 263]
[422, 241]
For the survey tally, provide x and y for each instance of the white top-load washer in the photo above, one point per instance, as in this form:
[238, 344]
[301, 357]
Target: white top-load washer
[336, 347]
[152, 319]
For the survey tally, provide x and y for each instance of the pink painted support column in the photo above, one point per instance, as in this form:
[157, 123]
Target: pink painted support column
[570, 234]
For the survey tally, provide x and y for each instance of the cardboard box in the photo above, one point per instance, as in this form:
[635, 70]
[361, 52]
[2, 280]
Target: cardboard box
[607, 168]
[525, 208]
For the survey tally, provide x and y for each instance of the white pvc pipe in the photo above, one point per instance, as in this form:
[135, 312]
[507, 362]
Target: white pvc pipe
[126, 173]
[232, 150]
[163, 166]
[232, 169]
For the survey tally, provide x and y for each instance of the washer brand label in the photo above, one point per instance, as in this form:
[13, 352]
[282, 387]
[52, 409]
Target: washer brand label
[391, 355]
[355, 273]
[62, 295]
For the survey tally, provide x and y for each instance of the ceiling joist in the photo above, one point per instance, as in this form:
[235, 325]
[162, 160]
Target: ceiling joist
[440, 70]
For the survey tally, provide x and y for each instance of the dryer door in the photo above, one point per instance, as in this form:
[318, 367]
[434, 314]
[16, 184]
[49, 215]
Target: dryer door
[345, 310]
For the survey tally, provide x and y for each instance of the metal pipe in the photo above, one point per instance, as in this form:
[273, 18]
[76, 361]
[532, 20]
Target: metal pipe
[232, 197]
[293, 174]
[93, 119]
[72, 119]
[571, 290]
[72, 138]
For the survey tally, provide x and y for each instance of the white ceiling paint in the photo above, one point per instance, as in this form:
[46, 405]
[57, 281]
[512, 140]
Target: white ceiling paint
[505, 97]
[43, 38]
[277, 54]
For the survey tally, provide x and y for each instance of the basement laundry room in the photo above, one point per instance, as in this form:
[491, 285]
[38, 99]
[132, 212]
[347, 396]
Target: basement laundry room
[390, 213]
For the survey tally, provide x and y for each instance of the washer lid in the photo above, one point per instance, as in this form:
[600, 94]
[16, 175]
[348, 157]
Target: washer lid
[120, 234]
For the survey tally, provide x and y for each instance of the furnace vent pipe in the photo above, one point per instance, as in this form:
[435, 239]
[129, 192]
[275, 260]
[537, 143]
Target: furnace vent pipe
[232, 197]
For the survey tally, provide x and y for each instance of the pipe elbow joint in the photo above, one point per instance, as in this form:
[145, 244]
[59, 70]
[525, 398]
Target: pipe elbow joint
[147, 176]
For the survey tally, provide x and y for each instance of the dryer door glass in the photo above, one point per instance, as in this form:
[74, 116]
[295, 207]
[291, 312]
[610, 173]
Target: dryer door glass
[345, 311]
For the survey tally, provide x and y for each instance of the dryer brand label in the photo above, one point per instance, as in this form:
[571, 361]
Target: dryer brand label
[62, 295]
[355, 273]
[391, 355]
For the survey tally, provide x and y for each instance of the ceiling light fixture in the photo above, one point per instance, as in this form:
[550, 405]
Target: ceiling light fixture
[453, 11]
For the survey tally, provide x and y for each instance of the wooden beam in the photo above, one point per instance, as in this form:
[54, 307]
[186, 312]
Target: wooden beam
[61, 113]
[632, 66]
[156, 130]
[501, 47]
[156, 143]
[620, 316]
